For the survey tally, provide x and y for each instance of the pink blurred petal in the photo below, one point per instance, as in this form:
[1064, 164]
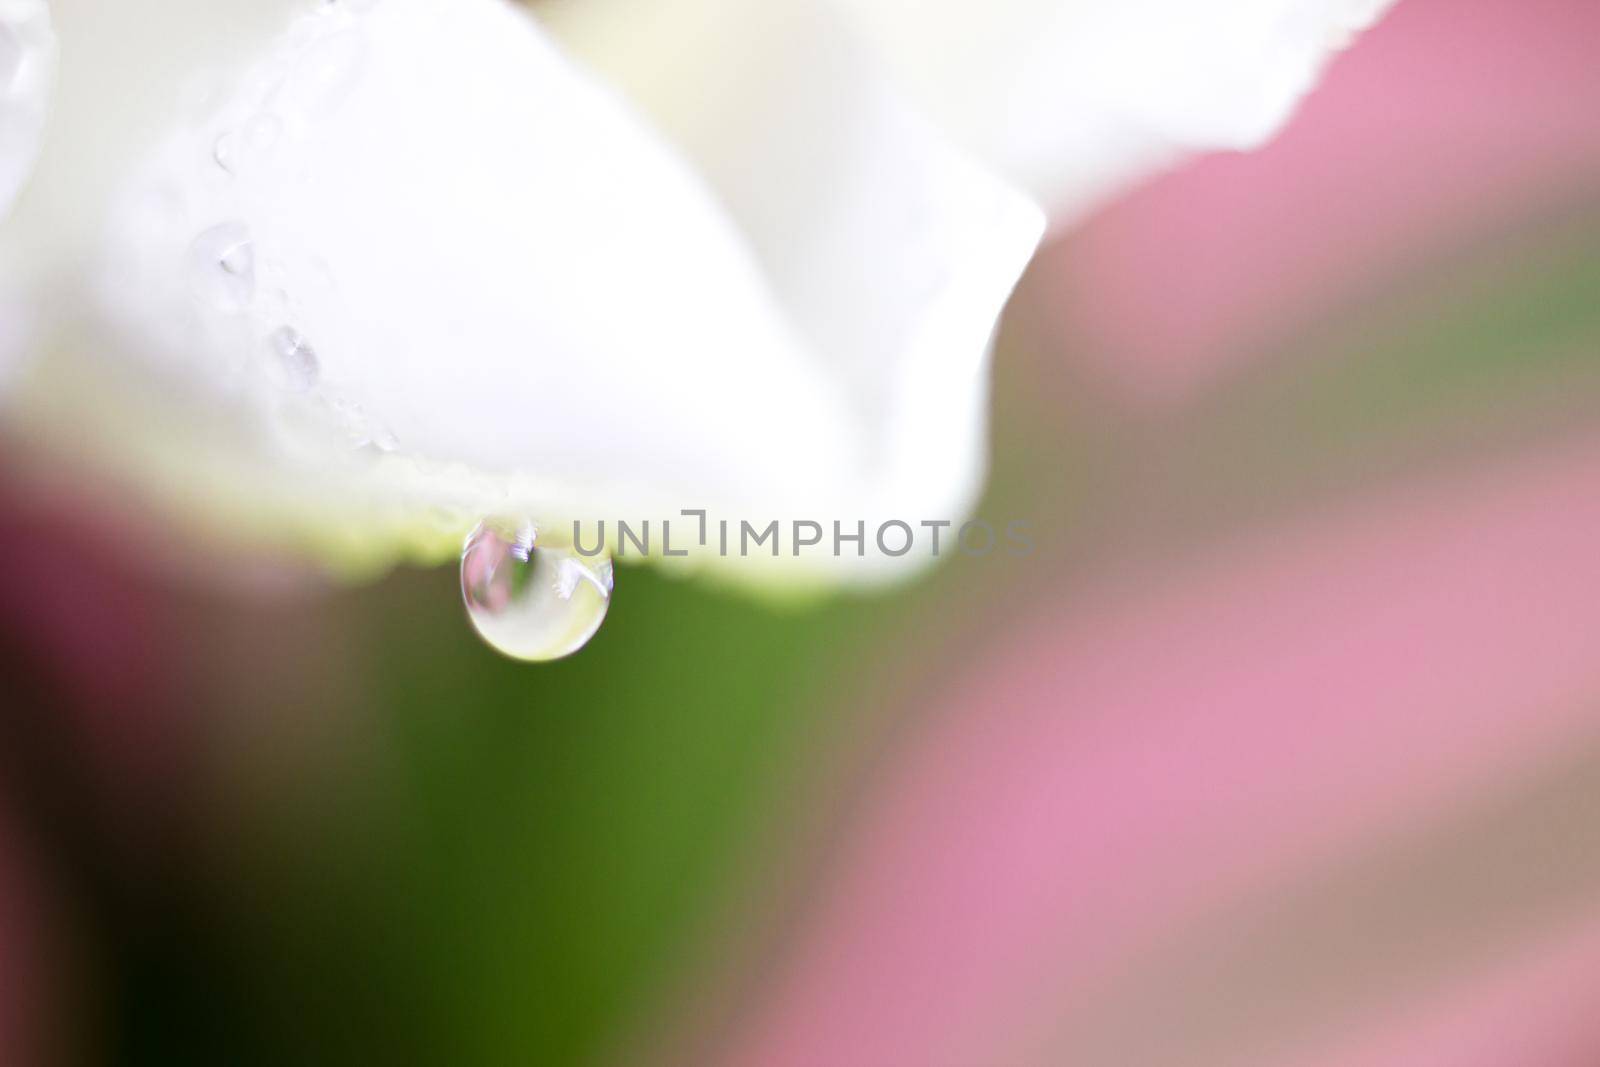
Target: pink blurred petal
[1537, 1009]
[1451, 117]
[96, 650]
[1132, 760]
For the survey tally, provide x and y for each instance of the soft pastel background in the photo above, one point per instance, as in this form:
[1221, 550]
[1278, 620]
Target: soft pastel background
[1284, 748]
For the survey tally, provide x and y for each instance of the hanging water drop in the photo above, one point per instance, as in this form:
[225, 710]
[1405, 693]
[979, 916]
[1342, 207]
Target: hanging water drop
[222, 268]
[529, 600]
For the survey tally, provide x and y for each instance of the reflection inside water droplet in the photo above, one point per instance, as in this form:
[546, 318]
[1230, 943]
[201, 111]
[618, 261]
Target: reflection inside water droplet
[531, 601]
[222, 268]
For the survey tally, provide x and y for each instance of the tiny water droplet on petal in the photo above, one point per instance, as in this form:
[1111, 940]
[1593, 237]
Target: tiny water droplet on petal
[363, 430]
[222, 268]
[380, 436]
[224, 152]
[294, 363]
[531, 601]
[236, 151]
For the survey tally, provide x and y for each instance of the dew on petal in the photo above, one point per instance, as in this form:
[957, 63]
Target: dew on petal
[225, 152]
[294, 364]
[363, 430]
[237, 151]
[380, 436]
[531, 601]
[222, 268]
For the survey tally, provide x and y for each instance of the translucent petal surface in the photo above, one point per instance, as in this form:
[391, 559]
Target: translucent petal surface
[413, 258]
[1071, 99]
[887, 245]
[1076, 97]
[27, 77]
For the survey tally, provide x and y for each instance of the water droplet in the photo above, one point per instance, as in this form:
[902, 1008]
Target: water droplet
[222, 267]
[327, 73]
[382, 438]
[224, 152]
[236, 151]
[294, 364]
[363, 430]
[530, 601]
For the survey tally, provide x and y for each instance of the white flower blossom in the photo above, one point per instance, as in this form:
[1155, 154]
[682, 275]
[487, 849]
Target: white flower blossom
[354, 274]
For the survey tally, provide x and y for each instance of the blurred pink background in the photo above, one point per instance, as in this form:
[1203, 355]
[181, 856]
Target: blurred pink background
[1448, 121]
[1326, 792]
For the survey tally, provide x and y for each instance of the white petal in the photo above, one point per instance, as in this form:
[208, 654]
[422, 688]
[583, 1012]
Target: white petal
[1074, 98]
[122, 70]
[535, 303]
[126, 67]
[27, 76]
[890, 248]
